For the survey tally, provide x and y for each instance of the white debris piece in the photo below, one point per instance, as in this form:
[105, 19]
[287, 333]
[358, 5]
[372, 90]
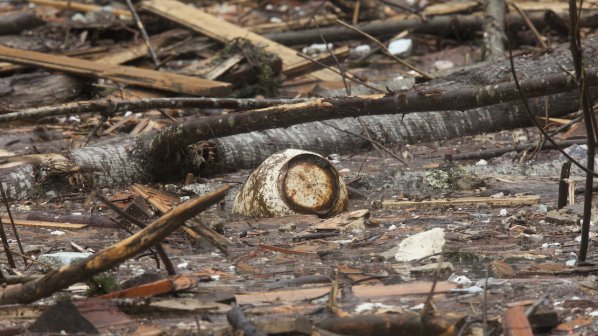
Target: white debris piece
[482, 162]
[418, 246]
[316, 48]
[57, 233]
[460, 280]
[443, 65]
[361, 50]
[571, 262]
[503, 212]
[400, 47]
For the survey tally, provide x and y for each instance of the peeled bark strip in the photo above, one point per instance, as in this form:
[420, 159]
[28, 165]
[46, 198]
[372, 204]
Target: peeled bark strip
[56, 280]
[15, 23]
[37, 89]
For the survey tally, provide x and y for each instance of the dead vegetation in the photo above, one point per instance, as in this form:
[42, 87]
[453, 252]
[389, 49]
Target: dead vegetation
[298, 168]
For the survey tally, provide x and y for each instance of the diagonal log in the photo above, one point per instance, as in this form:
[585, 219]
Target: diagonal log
[56, 280]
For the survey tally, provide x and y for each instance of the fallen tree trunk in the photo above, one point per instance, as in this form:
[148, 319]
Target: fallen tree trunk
[113, 255]
[440, 25]
[467, 102]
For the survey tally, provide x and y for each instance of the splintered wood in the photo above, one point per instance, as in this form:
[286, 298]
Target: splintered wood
[120, 74]
[223, 31]
[505, 201]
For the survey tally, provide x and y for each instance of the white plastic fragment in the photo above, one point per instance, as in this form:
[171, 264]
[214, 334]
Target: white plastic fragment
[400, 47]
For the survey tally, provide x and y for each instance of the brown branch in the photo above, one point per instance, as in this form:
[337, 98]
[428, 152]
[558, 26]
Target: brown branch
[112, 255]
[114, 107]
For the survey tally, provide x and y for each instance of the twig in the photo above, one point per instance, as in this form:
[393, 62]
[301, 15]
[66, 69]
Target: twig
[146, 38]
[167, 263]
[340, 69]
[375, 40]
[368, 137]
[238, 321]
[530, 25]
[533, 118]
[485, 303]
[590, 122]
[26, 258]
[12, 220]
[427, 310]
[11, 261]
[374, 142]
[356, 10]
[351, 78]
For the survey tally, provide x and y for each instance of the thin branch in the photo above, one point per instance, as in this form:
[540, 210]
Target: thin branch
[146, 38]
[142, 105]
[372, 141]
[533, 118]
[161, 253]
[12, 221]
[338, 64]
[530, 25]
[375, 40]
[351, 78]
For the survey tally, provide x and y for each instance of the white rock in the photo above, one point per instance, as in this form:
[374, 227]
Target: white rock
[392, 227]
[400, 46]
[482, 162]
[503, 212]
[57, 233]
[60, 259]
[571, 262]
[420, 245]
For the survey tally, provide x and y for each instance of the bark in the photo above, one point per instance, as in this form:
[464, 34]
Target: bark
[461, 103]
[113, 255]
[459, 25]
[494, 30]
[37, 89]
[15, 23]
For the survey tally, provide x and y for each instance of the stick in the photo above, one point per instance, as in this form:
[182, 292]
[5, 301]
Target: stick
[12, 221]
[161, 252]
[373, 39]
[144, 104]
[530, 25]
[143, 33]
[112, 255]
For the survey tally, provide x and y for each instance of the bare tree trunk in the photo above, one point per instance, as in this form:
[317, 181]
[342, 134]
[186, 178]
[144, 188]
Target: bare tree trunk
[494, 30]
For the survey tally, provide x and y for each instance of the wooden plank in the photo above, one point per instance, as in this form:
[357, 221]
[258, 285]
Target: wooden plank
[410, 288]
[516, 323]
[286, 295]
[78, 6]
[54, 225]
[223, 31]
[506, 201]
[122, 74]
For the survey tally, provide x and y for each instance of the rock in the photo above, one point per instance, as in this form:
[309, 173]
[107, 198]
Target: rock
[417, 246]
[60, 259]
